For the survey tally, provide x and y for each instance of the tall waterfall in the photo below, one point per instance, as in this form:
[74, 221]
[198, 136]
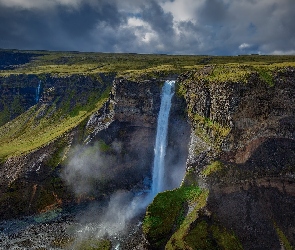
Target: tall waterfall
[38, 92]
[161, 139]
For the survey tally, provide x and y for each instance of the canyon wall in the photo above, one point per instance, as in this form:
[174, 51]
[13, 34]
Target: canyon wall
[119, 137]
[236, 138]
[242, 150]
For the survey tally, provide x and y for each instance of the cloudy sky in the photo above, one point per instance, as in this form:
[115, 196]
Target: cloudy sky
[215, 27]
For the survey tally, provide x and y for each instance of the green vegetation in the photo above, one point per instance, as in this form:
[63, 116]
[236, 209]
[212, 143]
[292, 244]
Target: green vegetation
[136, 65]
[208, 235]
[58, 154]
[236, 73]
[167, 213]
[43, 124]
[266, 75]
[190, 177]
[177, 219]
[227, 73]
[177, 240]
[214, 85]
[217, 128]
[217, 132]
[25, 133]
[283, 239]
[212, 168]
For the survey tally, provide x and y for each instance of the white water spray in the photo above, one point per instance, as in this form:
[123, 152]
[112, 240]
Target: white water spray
[38, 92]
[161, 138]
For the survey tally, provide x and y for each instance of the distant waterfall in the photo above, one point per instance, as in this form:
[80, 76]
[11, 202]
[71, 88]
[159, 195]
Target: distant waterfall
[38, 92]
[161, 139]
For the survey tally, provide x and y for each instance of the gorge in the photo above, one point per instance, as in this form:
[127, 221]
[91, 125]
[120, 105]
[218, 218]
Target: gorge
[81, 155]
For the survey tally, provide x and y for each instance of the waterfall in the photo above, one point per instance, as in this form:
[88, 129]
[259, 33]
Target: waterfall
[38, 92]
[161, 138]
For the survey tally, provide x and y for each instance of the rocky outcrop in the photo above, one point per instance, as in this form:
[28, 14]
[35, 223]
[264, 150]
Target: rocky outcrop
[120, 134]
[129, 119]
[241, 149]
[248, 128]
[136, 103]
[31, 181]
[20, 92]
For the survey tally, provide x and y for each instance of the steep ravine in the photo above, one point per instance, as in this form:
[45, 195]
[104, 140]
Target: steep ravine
[242, 153]
[120, 135]
[237, 139]
[129, 120]
[36, 142]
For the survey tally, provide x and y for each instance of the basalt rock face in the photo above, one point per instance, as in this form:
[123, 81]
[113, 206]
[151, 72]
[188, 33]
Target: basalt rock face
[20, 92]
[31, 182]
[136, 103]
[129, 119]
[248, 128]
[121, 135]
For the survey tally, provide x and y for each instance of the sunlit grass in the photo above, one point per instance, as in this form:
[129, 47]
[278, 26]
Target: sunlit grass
[126, 64]
[26, 132]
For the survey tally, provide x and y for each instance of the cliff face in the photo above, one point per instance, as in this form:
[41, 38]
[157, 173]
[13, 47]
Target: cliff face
[35, 143]
[129, 119]
[119, 137]
[20, 92]
[242, 150]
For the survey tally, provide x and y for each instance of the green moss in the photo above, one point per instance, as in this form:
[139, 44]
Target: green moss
[208, 235]
[203, 125]
[225, 239]
[283, 239]
[229, 73]
[180, 90]
[199, 237]
[190, 177]
[135, 66]
[212, 168]
[177, 240]
[166, 213]
[266, 75]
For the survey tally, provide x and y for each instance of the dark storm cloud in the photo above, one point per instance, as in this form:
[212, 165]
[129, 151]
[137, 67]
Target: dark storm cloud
[213, 12]
[82, 21]
[21, 28]
[164, 26]
[160, 21]
[58, 28]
